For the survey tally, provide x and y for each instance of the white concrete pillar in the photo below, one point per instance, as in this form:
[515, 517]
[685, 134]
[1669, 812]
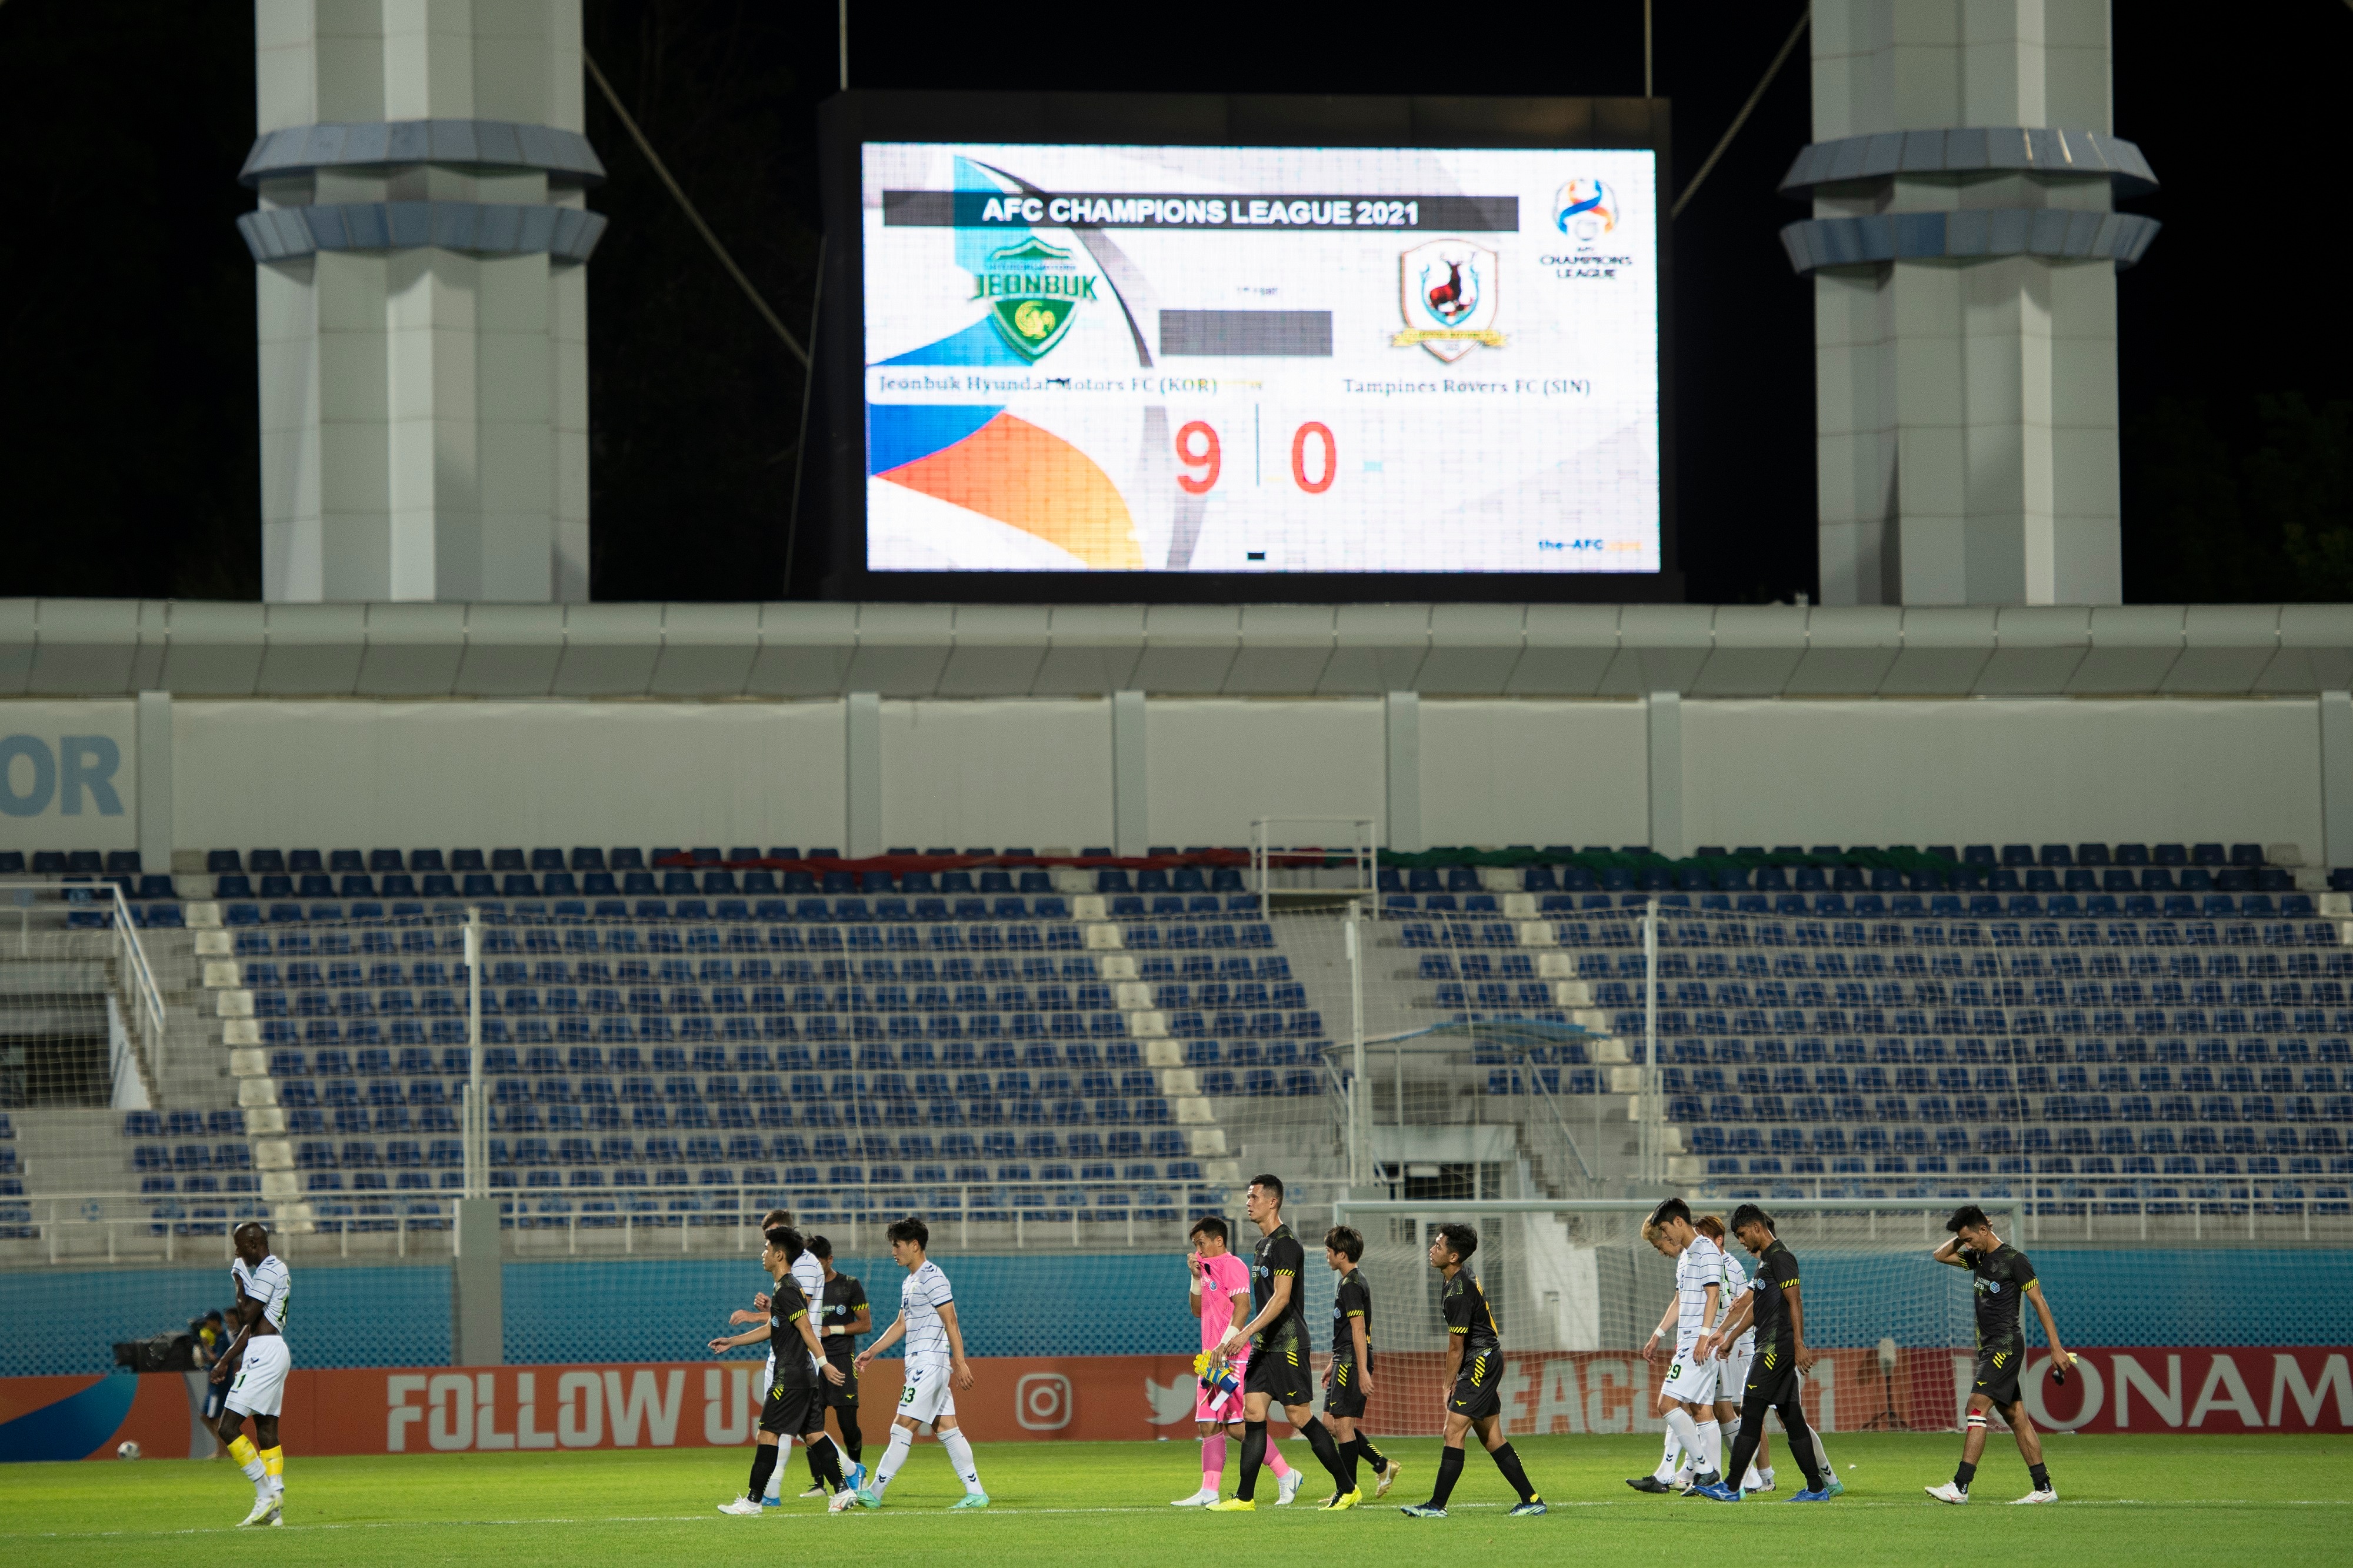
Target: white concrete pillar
[1131, 765]
[1402, 710]
[1665, 725]
[154, 772]
[422, 304]
[1964, 250]
[2336, 779]
[862, 716]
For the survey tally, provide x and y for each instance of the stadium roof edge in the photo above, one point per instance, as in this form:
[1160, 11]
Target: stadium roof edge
[103, 647]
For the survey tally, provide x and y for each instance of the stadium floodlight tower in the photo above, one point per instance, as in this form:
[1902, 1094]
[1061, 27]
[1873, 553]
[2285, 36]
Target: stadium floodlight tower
[422, 306]
[1963, 249]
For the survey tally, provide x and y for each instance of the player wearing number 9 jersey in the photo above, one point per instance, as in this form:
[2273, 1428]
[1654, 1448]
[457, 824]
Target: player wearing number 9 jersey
[1474, 1358]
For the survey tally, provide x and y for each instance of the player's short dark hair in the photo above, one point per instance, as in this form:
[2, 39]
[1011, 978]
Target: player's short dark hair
[213, 1316]
[1967, 1217]
[1270, 1184]
[913, 1229]
[1748, 1215]
[1346, 1241]
[776, 1216]
[787, 1240]
[1208, 1225]
[1671, 1210]
[821, 1247]
[1460, 1240]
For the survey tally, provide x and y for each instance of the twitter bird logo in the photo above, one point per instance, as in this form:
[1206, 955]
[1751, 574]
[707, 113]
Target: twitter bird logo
[1172, 1403]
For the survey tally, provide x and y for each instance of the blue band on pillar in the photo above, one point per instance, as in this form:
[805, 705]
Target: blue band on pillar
[1974, 150]
[2059, 232]
[564, 155]
[490, 228]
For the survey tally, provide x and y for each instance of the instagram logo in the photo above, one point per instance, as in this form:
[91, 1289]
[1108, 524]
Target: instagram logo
[1041, 1402]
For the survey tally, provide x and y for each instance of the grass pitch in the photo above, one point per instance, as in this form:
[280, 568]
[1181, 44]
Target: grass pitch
[2125, 1500]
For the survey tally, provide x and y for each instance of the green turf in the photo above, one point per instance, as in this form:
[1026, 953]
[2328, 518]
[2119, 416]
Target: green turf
[2126, 1501]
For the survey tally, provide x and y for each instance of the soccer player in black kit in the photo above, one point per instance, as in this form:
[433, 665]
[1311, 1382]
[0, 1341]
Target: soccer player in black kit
[1278, 1372]
[1474, 1359]
[1348, 1377]
[2004, 1280]
[1774, 1306]
[793, 1407]
[844, 1316]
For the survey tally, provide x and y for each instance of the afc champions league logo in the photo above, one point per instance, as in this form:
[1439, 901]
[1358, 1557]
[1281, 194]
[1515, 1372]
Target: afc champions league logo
[1447, 289]
[1585, 209]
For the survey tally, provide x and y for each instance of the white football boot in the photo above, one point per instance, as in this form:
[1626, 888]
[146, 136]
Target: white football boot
[1201, 1498]
[744, 1507]
[1290, 1486]
[1948, 1492]
[2040, 1494]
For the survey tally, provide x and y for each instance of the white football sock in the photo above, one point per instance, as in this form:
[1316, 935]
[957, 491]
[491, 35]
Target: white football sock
[1667, 1453]
[1686, 1432]
[960, 1456]
[1821, 1455]
[1711, 1452]
[1730, 1436]
[901, 1443]
[777, 1476]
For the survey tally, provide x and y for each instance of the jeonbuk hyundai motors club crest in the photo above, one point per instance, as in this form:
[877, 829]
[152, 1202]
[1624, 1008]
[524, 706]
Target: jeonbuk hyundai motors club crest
[1033, 292]
[1448, 293]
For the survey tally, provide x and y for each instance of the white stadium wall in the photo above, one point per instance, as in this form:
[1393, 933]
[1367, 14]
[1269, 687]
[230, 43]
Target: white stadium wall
[1046, 771]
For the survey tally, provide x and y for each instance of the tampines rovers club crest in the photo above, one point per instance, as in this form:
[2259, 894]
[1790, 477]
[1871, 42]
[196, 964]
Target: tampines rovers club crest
[1447, 289]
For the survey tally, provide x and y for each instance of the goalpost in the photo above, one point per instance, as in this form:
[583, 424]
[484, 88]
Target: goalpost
[1577, 1291]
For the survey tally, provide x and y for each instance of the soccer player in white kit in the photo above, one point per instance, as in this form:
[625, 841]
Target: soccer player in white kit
[255, 1367]
[1689, 1391]
[809, 1273]
[936, 1368]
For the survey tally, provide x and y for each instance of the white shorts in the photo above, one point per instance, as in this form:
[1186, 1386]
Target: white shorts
[1732, 1371]
[1690, 1379]
[260, 1386]
[926, 1396]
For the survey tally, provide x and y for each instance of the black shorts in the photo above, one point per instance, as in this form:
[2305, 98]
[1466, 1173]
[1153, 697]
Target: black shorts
[1770, 1386]
[1343, 1396]
[1279, 1370]
[1997, 1377]
[792, 1411]
[1475, 1394]
[842, 1396]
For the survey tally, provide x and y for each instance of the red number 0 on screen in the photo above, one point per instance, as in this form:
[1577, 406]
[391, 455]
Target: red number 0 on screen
[1299, 458]
[1205, 457]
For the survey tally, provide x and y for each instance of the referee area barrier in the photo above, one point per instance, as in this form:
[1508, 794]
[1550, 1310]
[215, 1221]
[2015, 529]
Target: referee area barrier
[690, 1405]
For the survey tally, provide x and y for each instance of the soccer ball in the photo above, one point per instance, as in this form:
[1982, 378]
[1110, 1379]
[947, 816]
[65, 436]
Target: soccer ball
[126, 1451]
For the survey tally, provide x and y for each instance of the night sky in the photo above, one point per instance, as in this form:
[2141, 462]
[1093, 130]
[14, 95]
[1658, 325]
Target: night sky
[126, 298]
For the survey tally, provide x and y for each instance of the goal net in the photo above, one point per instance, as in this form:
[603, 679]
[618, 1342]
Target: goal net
[1577, 1291]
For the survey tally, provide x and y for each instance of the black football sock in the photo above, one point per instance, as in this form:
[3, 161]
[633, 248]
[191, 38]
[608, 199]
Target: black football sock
[1801, 1442]
[1367, 1454]
[764, 1461]
[852, 1438]
[809, 1452]
[1319, 1438]
[1964, 1474]
[2041, 1473]
[1253, 1455]
[1509, 1463]
[1350, 1451]
[1450, 1470]
[829, 1469]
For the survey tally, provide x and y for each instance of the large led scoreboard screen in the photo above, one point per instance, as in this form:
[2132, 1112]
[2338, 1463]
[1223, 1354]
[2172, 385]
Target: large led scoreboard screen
[1255, 358]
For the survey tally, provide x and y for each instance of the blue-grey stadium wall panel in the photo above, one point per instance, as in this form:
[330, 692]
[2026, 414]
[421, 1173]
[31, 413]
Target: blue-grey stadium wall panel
[1093, 1304]
[63, 1323]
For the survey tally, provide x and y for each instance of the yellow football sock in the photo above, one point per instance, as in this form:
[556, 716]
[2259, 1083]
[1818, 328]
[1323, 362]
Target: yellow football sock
[273, 1461]
[247, 1458]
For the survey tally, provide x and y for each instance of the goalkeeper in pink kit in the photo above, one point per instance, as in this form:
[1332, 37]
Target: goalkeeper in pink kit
[1217, 1279]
